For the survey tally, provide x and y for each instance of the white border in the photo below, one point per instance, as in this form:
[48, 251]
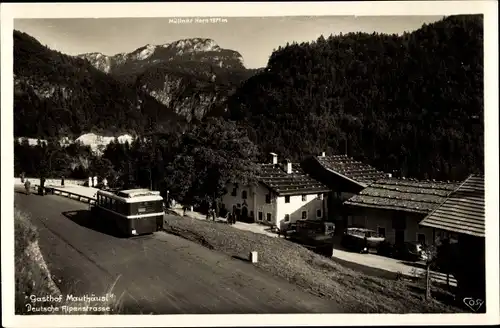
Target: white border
[85, 10]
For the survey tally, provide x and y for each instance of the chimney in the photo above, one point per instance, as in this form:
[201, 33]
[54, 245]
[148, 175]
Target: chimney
[274, 158]
[323, 154]
[288, 166]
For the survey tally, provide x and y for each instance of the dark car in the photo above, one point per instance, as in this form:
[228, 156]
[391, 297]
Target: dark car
[314, 234]
[361, 240]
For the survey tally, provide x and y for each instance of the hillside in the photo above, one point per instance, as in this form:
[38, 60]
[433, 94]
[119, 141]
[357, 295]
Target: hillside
[56, 95]
[193, 77]
[410, 104]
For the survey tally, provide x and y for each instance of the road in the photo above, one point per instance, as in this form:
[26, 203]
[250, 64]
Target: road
[159, 273]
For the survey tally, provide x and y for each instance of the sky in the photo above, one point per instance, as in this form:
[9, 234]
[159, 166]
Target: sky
[254, 38]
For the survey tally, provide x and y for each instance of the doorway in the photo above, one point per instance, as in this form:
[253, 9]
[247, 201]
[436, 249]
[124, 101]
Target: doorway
[244, 214]
[399, 236]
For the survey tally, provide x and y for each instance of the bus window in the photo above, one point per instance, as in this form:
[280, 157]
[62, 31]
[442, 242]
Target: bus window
[147, 207]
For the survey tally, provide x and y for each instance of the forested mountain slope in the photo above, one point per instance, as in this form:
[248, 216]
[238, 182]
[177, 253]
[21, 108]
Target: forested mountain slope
[56, 95]
[411, 103]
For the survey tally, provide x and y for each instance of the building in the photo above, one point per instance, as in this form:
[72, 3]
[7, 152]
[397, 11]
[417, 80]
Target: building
[282, 195]
[463, 214]
[345, 177]
[395, 207]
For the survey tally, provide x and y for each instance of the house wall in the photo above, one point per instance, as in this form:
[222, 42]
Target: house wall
[255, 201]
[375, 219]
[296, 206]
[229, 200]
[278, 208]
[262, 207]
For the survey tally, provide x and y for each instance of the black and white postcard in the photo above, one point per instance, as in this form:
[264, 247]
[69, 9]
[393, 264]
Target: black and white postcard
[240, 164]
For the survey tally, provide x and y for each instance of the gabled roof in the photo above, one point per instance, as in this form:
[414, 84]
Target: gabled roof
[403, 195]
[274, 177]
[463, 211]
[347, 167]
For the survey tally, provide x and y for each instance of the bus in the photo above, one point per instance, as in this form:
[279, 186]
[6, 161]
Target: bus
[131, 212]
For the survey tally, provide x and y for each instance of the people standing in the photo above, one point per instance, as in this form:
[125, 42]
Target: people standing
[27, 186]
[62, 181]
[42, 186]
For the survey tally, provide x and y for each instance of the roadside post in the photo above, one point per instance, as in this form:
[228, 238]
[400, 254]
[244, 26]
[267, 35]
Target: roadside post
[253, 257]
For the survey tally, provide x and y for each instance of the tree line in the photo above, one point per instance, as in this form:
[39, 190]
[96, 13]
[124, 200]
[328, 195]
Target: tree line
[194, 167]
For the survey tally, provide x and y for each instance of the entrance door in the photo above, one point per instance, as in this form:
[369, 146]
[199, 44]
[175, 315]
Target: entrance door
[399, 236]
[244, 214]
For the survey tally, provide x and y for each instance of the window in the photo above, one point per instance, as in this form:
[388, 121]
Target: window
[381, 231]
[319, 213]
[320, 196]
[287, 199]
[287, 217]
[268, 217]
[234, 192]
[304, 198]
[261, 215]
[421, 238]
[244, 194]
[268, 199]
[304, 215]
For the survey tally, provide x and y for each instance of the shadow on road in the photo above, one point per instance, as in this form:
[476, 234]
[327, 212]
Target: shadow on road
[241, 258]
[23, 192]
[84, 218]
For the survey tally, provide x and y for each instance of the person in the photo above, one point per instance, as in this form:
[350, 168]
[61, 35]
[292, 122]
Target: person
[27, 186]
[41, 189]
[22, 177]
[62, 181]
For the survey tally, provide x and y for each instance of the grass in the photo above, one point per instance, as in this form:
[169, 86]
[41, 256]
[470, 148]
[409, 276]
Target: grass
[33, 279]
[357, 291]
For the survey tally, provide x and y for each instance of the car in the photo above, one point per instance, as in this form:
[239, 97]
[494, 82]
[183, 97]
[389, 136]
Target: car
[311, 233]
[361, 239]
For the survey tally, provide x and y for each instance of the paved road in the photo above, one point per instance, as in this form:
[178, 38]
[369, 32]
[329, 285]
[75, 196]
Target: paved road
[159, 273]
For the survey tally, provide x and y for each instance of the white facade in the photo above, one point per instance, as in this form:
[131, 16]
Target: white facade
[265, 207]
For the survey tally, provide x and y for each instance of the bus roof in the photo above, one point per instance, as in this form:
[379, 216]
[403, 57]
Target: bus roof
[133, 195]
[130, 193]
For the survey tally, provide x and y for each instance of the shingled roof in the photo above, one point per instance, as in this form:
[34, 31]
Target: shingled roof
[274, 177]
[356, 171]
[463, 211]
[403, 195]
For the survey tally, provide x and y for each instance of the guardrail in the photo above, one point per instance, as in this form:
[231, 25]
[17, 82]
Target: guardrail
[65, 193]
[55, 182]
[68, 194]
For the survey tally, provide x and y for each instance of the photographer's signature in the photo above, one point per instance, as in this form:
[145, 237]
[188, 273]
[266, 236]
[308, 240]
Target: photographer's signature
[473, 303]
